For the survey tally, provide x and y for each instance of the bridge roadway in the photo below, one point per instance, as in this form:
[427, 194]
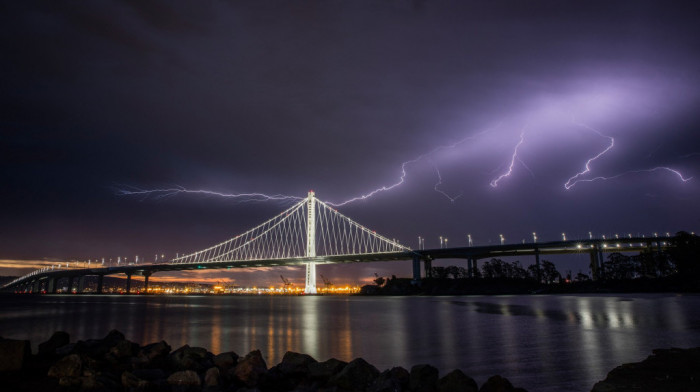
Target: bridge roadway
[594, 247]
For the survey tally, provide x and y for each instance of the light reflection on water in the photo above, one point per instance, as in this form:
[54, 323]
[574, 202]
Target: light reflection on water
[539, 342]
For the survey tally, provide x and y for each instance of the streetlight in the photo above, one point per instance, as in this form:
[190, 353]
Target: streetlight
[534, 237]
[469, 239]
[590, 235]
[419, 242]
[563, 236]
[445, 242]
[502, 238]
[441, 242]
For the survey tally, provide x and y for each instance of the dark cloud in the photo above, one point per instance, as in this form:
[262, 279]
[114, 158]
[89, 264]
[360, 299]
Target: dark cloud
[280, 98]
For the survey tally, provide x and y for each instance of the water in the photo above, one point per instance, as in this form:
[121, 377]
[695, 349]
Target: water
[541, 343]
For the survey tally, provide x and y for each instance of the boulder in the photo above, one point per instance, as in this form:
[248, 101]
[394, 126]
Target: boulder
[212, 378]
[123, 349]
[151, 355]
[327, 369]
[666, 370]
[225, 361]
[186, 380]
[113, 337]
[295, 363]
[250, 368]
[497, 384]
[68, 366]
[457, 381]
[358, 375]
[57, 340]
[423, 378]
[14, 354]
[396, 379]
[190, 358]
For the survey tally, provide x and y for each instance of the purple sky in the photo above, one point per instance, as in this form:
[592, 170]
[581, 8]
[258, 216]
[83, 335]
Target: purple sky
[334, 96]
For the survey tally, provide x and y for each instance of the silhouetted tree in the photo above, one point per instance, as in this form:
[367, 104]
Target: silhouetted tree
[380, 281]
[549, 272]
[497, 268]
[581, 277]
[440, 272]
[619, 267]
[685, 254]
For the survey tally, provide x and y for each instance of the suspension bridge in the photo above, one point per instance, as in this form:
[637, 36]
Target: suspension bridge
[311, 232]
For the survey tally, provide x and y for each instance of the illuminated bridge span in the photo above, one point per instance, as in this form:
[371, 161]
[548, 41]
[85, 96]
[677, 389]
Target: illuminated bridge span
[311, 232]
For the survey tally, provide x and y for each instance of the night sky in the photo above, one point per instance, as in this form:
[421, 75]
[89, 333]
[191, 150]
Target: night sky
[98, 98]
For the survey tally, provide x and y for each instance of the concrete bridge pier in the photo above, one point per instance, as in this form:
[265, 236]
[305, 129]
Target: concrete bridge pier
[100, 281]
[35, 287]
[416, 270]
[81, 284]
[537, 264]
[128, 283]
[70, 284]
[428, 265]
[146, 275]
[51, 286]
[595, 262]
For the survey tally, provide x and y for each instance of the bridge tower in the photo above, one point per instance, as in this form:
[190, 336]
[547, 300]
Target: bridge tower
[310, 243]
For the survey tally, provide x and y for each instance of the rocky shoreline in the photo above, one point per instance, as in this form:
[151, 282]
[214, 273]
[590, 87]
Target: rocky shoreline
[114, 363]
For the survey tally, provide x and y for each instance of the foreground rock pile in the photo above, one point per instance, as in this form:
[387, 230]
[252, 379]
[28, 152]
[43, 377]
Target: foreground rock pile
[665, 371]
[117, 364]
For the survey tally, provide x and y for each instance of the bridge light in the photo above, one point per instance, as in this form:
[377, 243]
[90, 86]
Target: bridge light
[469, 239]
[590, 235]
[503, 239]
[534, 237]
[563, 236]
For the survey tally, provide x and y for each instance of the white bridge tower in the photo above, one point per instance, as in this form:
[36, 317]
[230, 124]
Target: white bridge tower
[310, 243]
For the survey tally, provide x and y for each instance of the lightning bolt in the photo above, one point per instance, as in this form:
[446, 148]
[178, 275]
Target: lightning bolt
[494, 182]
[587, 167]
[402, 178]
[177, 190]
[673, 171]
[261, 197]
[438, 190]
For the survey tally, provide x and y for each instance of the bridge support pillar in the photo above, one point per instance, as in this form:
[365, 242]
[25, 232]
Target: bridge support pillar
[416, 270]
[595, 264]
[428, 265]
[146, 275]
[470, 268]
[601, 260]
[537, 264]
[35, 287]
[128, 283]
[70, 284]
[51, 287]
[81, 284]
[100, 281]
[310, 278]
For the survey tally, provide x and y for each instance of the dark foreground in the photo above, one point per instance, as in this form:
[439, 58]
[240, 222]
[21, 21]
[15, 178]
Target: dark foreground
[117, 364]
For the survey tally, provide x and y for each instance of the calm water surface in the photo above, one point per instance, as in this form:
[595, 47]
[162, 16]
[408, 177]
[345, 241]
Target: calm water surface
[541, 343]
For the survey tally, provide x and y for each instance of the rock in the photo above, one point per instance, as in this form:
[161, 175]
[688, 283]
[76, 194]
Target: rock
[190, 358]
[423, 378]
[149, 374]
[112, 338]
[327, 369]
[58, 339]
[396, 379]
[151, 355]
[14, 354]
[68, 370]
[295, 363]
[666, 370]
[68, 366]
[124, 348]
[357, 375]
[225, 361]
[212, 378]
[497, 384]
[250, 368]
[457, 381]
[186, 380]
